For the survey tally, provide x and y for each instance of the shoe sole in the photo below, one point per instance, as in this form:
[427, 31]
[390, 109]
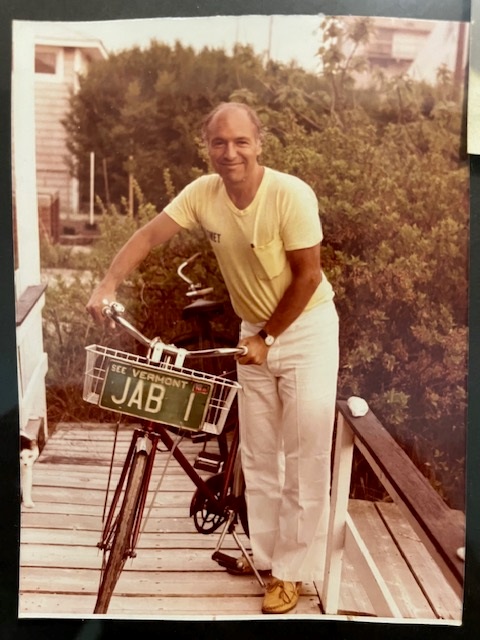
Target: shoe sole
[280, 610]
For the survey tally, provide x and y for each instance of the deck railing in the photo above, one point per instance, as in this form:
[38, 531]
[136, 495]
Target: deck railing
[439, 528]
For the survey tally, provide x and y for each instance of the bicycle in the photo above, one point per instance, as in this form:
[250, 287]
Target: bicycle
[159, 391]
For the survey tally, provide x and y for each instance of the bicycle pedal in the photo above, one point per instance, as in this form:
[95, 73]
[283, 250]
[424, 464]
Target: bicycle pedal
[208, 461]
[224, 560]
[198, 436]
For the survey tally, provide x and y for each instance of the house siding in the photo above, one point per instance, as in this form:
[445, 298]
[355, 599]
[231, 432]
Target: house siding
[52, 103]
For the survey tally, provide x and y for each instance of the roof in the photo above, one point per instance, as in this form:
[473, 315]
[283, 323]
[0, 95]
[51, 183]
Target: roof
[67, 34]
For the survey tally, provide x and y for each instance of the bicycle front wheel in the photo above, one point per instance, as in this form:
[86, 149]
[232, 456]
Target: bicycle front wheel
[121, 545]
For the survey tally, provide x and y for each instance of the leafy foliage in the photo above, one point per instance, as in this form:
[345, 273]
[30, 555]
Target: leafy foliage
[388, 167]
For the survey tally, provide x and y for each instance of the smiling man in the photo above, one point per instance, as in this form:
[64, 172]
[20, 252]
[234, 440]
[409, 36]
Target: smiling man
[265, 231]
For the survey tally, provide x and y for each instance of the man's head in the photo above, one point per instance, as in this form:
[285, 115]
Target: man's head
[232, 133]
[251, 113]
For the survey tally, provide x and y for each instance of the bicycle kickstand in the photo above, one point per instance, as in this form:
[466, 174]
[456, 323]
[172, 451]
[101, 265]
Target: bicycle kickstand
[223, 559]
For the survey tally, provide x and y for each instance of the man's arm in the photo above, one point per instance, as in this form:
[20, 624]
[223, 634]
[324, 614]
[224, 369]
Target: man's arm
[306, 276]
[134, 251]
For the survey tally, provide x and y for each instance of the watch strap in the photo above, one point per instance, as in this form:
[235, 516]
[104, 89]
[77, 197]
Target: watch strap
[268, 339]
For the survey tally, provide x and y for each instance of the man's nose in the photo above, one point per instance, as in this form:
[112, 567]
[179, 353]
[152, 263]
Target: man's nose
[230, 150]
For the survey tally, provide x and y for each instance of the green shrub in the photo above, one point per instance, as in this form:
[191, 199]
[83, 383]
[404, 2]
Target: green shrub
[390, 174]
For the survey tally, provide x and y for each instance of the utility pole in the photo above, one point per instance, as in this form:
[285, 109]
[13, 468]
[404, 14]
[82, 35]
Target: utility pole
[270, 31]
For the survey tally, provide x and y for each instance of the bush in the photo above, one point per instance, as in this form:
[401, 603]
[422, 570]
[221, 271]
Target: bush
[389, 170]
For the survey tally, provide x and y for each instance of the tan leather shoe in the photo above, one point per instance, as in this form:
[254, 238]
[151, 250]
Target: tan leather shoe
[281, 596]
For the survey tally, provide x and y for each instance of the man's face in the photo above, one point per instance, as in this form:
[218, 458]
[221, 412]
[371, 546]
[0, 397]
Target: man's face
[233, 146]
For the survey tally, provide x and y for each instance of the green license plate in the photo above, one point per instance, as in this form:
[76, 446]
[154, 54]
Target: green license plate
[158, 395]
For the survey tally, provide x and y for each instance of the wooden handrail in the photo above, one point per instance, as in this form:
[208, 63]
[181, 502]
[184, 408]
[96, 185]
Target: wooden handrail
[416, 497]
[27, 301]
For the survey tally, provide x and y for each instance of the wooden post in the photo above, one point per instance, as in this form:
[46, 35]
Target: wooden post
[342, 471]
[130, 185]
[105, 179]
[92, 185]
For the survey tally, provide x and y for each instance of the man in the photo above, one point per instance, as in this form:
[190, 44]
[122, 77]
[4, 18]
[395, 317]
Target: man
[264, 228]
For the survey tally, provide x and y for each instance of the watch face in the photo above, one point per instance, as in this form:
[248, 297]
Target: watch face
[269, 340]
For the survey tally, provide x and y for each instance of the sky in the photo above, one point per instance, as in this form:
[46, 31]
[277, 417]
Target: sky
[286, 38]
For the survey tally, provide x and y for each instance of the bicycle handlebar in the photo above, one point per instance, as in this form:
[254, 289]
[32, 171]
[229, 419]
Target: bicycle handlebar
[115, 310]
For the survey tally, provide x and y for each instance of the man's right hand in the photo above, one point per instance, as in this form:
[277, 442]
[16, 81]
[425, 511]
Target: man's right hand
[100, 299]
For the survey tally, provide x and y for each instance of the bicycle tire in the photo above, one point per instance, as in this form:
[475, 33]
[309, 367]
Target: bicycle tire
[119, 549]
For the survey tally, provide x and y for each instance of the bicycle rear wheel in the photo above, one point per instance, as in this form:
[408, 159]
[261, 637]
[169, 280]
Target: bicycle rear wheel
[120, 548]
[224, 366]
[219, 366]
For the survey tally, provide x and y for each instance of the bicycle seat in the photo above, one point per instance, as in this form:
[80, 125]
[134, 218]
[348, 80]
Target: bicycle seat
[202, 306]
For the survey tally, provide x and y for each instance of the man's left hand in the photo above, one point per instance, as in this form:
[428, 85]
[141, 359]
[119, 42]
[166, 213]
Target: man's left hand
[257, 350]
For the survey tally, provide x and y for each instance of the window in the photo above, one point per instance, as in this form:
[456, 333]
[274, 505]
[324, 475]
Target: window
[48, 62]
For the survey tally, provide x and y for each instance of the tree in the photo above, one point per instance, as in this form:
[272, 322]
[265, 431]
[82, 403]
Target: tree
[387, 165]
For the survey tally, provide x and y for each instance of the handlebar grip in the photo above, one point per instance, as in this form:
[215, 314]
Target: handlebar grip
[112, 309]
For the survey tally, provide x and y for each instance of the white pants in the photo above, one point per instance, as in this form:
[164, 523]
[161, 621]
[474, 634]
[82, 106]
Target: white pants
[287, 409]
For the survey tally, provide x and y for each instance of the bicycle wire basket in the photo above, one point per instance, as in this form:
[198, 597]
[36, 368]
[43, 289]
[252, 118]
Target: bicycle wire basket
[160, 392]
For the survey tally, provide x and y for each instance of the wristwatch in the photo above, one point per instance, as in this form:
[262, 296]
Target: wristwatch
[268, 339]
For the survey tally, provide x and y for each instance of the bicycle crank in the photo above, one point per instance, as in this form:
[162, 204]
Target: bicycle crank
[207, 516]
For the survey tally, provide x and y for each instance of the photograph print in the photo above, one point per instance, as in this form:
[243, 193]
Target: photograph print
[133, 142]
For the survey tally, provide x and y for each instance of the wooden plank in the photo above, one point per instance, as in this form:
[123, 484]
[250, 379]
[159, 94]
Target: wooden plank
[79, 496]
[138, 583]
[61, 495]
[98, 482]
[161, 608]
[375, 585]
[400, 582]
[93, 523]
[161, 508]
[354, 599]
[442, 598]
[27, 301]
[75, 473]
[421, 504]
[143, 583]
[78, 557]
[151, 540]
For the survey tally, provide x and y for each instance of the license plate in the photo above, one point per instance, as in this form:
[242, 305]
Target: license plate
[155, 394]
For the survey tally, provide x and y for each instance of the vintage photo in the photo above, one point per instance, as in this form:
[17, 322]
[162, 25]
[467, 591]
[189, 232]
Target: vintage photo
[287, 196]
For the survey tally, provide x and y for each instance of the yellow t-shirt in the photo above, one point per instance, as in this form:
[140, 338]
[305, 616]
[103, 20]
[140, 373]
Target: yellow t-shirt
[251, 244]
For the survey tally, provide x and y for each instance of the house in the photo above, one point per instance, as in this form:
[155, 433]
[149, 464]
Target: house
[415, 48]
[61, 55]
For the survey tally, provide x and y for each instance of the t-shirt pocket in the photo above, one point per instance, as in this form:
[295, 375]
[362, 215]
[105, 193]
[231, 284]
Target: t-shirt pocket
[271, 259]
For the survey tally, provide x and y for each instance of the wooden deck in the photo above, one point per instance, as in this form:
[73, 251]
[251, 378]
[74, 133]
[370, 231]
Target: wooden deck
[173, 575]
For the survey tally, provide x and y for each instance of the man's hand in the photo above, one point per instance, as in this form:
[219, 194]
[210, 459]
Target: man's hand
[99, 299]
[257, 350]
